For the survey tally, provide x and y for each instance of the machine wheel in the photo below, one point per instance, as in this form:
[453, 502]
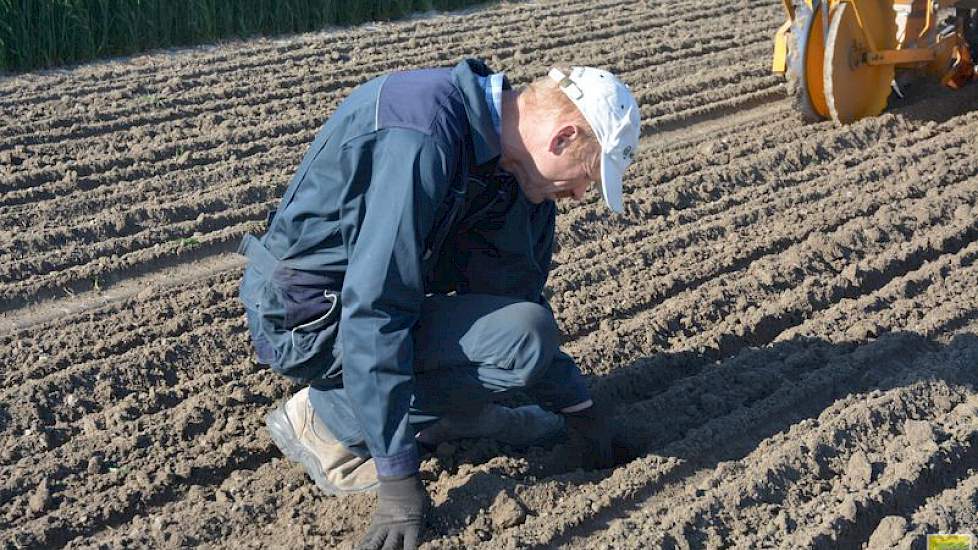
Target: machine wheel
[853, 89]
[805, 53]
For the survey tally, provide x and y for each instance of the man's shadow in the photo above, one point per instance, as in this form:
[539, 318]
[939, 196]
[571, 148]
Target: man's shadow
[691, 407]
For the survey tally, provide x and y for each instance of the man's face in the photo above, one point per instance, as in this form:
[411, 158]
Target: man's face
[563, 165]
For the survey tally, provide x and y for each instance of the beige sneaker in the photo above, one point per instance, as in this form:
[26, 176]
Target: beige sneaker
[303, 438]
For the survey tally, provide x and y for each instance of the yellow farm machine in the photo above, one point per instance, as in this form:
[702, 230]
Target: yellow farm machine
[843, 58]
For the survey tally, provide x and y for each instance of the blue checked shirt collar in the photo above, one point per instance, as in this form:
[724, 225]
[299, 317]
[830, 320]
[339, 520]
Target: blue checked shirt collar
[493, 86]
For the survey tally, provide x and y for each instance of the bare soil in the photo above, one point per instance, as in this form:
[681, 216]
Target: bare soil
[786, 316]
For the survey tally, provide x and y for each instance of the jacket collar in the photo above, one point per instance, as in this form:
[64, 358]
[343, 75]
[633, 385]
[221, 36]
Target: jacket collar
[485, 140]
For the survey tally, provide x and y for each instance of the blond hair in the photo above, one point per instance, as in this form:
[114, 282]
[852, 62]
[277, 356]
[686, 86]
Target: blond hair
[544, 94]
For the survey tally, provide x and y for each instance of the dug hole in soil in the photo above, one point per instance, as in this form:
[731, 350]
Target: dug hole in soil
[785, 317]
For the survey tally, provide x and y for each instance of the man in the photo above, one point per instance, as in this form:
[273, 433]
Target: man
[401, 277]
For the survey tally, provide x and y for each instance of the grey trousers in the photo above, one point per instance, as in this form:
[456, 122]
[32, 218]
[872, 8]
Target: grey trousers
[470, 350]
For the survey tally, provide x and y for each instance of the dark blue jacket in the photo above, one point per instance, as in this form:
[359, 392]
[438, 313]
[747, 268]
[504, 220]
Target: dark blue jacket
[398, 196]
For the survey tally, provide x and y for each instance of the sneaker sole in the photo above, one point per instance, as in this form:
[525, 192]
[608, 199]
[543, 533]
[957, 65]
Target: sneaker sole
[288, 442]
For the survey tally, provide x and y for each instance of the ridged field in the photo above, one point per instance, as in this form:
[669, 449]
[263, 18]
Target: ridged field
[786, 316]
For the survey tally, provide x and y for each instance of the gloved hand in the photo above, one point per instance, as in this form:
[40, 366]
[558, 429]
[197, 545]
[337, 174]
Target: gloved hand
[399, 519]
[591, 430]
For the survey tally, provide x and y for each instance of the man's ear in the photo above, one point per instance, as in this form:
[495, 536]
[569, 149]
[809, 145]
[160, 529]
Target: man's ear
[563, 137]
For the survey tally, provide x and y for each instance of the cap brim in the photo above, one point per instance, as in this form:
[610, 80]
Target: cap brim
[611, 184]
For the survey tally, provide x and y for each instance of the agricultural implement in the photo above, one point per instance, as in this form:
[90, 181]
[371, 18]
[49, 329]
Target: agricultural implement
[843, 58]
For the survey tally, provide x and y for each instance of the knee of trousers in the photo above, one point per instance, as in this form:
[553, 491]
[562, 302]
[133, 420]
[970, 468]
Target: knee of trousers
[534, 338]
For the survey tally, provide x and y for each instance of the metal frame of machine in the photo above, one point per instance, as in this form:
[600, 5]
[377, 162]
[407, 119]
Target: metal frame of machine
[841, 56]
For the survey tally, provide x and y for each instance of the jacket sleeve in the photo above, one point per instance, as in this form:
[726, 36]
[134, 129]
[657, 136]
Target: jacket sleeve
[407, 174]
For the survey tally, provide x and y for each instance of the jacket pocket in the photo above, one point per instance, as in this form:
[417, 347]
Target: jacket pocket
[293, 328]
[307, 338]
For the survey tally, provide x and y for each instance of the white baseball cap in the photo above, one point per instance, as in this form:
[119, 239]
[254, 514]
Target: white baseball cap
[610, 109]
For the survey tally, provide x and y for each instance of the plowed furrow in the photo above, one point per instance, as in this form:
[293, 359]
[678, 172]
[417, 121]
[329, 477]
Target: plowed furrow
[936, 301]
[740, 237]
[920, 478]
[74, 518]
[70, 257]
[77, 260]
[955, 506]
[255, 177]
[553, 41]
[425, 34]
[192, 415]
[123, 327]
[747, 80]
[77, 168]
[90, 393]
[888, 359]
[157, 383]
[889, 363]
[140, 261]
[718, 415]
[79, 179]
[135, 229]
[715, 171]
[78, 176]
[138, 229]
[720, 323]
[246, 55]
[784, 502]
[671, 193]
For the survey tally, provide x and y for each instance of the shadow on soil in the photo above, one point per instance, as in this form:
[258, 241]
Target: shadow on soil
[926, 100]
[665, 403]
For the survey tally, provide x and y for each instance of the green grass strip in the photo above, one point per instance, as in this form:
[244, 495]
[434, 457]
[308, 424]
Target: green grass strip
[47, 33]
